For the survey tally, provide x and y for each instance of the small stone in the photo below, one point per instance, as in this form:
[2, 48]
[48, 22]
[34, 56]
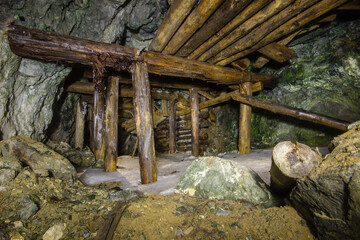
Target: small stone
[222, 212]
[18, 224]
[16, 236]
[188, 231]
[55, 232]
[179, 232]
[6, 175]
[29, 207]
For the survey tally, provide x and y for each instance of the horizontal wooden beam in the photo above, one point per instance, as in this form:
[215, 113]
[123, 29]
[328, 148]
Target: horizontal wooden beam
[289, 111]
[48, 46]
[277, 52]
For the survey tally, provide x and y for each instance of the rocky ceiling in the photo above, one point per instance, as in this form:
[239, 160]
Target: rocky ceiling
[226, 32]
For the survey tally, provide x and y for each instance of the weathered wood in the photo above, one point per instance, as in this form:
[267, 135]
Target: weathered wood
[99, 146]
[251, 9]
[242, 64]
[172, 127]
[111, 116]
[289, 27]
[248, 27]
[192, 23]
[144, 125]
[51, 47]
[293, 112]
[91, 127]
[206, 94]
[351, 5]
[194, 99]
[245, 121]
[260, 62]
[203, 115]
[80, 124]
[291, 162]
[174, 17]
[277, 52]
[256, 87]
[226, 12]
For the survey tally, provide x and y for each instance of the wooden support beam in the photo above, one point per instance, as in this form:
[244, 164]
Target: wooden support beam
[277, 52]
[245, 121]
[289, 27]
[111, 117]
[194, 99]
[293, 112]
[80, 124]
[51, 47]
[206, 94]
[192, 23]
[172, 127]
[226, 12]
[174, 17]
[98, 111]
[351, 5]
[144, 125]
[251, 9]
[248, 27]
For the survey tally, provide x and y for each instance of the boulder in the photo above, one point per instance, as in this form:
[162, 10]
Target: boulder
[41, 159]
[329, 197]
[213, 177]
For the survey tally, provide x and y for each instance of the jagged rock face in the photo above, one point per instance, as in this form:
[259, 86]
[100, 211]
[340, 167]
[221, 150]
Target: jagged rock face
[31, 90]
[216, 178]
[324, 78]
[329, 196]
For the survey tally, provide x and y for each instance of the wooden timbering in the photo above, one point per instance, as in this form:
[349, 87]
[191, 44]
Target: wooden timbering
[111, 117]
[98, 111]
[194, 99]
[80, 124]
[172, 127]
[245, 121]
[144, 124]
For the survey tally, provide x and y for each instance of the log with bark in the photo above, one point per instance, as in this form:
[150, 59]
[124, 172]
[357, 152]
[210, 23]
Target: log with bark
[52, 47]
[291, 162]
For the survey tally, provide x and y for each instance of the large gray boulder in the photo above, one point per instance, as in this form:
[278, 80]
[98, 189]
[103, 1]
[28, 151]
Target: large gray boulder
[41, 159]
[329, 197]
[213, 177]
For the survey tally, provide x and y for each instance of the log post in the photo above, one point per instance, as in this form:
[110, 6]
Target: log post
[111, 117]
[245, 121]
[194, 96]
[172, 127]
[98, 111]
[80, 124]
[144, 124]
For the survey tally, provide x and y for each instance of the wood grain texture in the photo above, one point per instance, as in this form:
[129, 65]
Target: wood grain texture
[226, 12]
[194, 99]
[245, 121]
[277, 52]
[80, 125]
[144, 123]
[176, 14]
[192, 23]
[172, 127]
[98, 112]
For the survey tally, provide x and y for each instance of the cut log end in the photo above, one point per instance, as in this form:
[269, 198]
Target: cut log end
[290, 162]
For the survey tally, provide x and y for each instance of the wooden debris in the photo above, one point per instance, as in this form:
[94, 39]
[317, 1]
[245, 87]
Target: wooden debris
[241, 64]
[277, 52]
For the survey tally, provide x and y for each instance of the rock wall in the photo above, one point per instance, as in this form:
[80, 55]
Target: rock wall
[32, 90]
[324, 78]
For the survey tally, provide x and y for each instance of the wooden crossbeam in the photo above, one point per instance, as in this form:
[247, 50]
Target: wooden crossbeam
[48, 46]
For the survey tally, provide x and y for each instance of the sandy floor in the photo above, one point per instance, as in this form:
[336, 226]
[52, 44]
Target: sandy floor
[170, 169]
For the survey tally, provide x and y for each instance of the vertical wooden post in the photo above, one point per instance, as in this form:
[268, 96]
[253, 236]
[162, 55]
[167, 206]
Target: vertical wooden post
[98, 112]
[80, 124]
[245, 120]
[164, 108]
[91, 126]
[194, 99]
[172, 127]
[144, 122]
[111, 117]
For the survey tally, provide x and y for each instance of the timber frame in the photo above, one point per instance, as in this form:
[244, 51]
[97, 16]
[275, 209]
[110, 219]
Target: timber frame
[52, 47]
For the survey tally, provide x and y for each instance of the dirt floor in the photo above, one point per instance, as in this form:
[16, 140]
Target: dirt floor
[84, 211]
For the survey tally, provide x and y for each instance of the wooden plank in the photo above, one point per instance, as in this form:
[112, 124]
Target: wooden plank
[245, 121]
[241, 64]
[250, 10]
[206, 94]
[172, 127]
[289, 27]
[111, 116]
[194, 99]
[80, 124]
[277, 52]
[248, 26]
[144, 124]
[192, 23]
[293, 112]
[226, 12]
[174, 17]
[99, 146]
[51, 47]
